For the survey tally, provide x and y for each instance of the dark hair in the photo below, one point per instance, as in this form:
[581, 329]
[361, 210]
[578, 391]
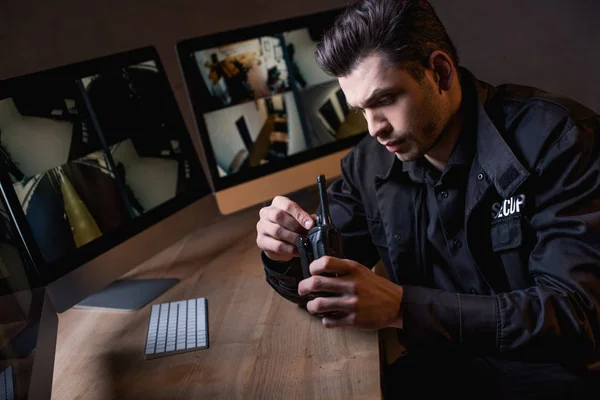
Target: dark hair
[406, 32]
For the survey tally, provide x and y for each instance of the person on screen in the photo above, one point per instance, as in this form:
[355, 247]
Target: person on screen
[235, 75]
[482, 202]
[295, 69]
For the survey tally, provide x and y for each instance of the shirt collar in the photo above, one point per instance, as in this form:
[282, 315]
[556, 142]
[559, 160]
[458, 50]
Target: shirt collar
[494, 155]
[497, 160]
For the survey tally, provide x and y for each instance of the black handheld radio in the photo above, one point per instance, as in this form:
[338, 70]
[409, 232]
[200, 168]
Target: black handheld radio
[323, 239]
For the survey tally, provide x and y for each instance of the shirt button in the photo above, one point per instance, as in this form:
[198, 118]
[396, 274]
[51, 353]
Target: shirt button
[480, 177]
[444, 194]
[457, 244]
[398, 236]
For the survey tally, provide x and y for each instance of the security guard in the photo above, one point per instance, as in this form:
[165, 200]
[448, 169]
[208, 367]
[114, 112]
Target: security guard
[482, 202]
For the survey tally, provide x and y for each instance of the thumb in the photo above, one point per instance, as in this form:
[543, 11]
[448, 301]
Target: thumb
[304, 219]
[293, 209]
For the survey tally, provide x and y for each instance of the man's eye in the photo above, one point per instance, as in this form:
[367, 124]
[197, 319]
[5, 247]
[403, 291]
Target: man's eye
[386, 101]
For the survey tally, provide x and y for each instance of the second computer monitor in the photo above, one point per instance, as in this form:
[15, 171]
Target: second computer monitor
[97, 166]
[269, 118]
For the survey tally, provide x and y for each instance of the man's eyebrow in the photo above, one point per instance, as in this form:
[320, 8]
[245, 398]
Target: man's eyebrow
[373, 97]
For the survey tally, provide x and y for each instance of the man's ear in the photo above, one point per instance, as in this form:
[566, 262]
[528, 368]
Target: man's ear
[443, 68]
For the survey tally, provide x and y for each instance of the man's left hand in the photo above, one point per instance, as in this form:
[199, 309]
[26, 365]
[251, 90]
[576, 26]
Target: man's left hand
[362, 298]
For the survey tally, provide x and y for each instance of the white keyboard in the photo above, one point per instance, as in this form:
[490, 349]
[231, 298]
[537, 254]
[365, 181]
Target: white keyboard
[177, 327]
[6, 385]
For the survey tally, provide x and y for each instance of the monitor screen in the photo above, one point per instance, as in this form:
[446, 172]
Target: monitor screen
[261, 102]
[93, 153]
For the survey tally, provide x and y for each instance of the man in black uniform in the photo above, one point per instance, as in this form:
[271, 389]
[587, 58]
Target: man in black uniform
[482, 202]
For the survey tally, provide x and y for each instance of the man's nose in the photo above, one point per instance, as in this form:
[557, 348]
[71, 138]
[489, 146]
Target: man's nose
[376, 123]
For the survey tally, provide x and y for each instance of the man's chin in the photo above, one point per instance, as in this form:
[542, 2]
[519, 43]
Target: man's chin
[408, 157]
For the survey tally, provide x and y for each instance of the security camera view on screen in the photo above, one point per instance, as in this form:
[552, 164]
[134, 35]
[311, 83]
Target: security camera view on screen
[267, 100]
[75, 183]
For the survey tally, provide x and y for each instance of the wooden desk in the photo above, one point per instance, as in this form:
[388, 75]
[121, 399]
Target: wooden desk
[261, 346]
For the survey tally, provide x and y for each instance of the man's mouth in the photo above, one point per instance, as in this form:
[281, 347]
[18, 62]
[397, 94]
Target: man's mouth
[393, 146]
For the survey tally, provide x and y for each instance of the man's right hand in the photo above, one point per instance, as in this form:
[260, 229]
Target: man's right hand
[279, 227]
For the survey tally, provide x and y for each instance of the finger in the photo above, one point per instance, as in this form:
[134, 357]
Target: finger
[277, 232]
[293, 209]
[281, 217]
[332, 265]
[339, 320]
[276, 248]
[317, 283]
[340, 304]
[278, 257]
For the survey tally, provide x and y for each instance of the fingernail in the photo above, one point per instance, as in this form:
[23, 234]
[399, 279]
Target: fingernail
[307, 223]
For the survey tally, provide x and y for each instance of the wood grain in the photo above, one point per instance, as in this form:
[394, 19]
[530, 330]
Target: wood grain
[261, 345]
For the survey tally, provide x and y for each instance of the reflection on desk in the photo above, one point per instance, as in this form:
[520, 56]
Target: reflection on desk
[262, 346]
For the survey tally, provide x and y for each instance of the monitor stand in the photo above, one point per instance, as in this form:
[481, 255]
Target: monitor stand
[127, 295]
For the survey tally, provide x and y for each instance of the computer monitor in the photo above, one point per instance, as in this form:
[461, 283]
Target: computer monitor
[101, 174]
[28, 321]
[269, 118]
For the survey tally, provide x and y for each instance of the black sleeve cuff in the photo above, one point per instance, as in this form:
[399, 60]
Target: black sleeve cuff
[434, 317]
[278, 267]
[284, 278]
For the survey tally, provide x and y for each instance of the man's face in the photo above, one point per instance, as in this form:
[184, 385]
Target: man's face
[406, 116]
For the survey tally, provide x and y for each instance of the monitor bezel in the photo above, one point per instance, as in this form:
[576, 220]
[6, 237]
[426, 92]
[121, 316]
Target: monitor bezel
[12, 284]
[185, 50]
[54, 270]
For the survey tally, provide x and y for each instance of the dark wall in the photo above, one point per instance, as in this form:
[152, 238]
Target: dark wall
[551, 44]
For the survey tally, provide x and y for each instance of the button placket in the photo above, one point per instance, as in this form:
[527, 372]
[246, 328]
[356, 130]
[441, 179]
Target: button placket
[457, 244]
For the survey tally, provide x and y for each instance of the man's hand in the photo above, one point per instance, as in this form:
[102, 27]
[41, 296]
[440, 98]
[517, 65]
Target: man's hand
[365, 300]
[279, 227]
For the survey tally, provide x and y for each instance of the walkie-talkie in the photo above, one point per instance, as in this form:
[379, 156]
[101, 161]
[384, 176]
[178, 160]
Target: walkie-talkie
[323, 239]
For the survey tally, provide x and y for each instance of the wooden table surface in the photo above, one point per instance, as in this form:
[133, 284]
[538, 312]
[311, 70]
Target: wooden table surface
[261, 345]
